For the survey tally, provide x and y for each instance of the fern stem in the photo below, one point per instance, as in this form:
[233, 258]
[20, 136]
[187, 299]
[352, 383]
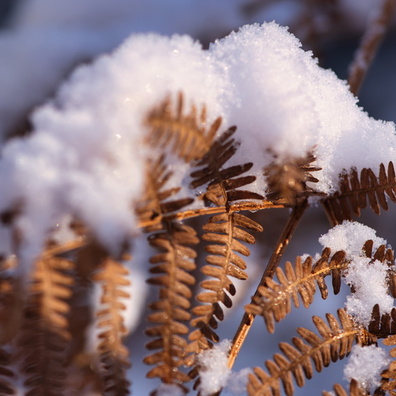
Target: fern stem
[182, 215]
[237, 207]
[369, 45]
[248, 319]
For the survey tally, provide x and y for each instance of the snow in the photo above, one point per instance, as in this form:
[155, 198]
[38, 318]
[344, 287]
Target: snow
[369, 282]
[365, 365]
[215, 374]
[288, 105]
[350, 236]
[86, 155]
[368, 279]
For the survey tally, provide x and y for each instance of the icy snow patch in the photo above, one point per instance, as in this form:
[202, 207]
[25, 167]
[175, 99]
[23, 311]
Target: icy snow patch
[350, 236]
[369, 279]
[365, 365]
[215, 374]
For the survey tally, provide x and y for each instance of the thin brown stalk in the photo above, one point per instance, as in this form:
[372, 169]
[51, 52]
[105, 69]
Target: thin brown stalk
[248, 319]
[182, 215]
[370, 43]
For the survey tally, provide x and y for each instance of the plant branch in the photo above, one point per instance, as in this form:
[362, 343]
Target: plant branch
[276, 256]
[369, 44]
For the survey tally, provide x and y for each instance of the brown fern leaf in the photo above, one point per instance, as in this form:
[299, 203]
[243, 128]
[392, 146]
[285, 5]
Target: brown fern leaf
[45, 335]
[171, 273]
[274, 299]
[11, 301]
[225, 233]
[288, 179]
[388, 382]
[6, 374]
[355, 192]
[113, 354]
[354, 390]
[335, 342]
[385, 255]
[189, 134]
[155, 204]
[171, 267]
[383, 325]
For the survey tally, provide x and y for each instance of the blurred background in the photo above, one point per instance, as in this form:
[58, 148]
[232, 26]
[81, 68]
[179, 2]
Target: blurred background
[42, 41]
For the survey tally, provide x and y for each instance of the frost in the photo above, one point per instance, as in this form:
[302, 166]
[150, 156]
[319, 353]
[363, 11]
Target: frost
[365, 365]
[368, 279]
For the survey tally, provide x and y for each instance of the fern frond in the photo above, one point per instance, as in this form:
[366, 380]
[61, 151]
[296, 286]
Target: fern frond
[113, 354]
[356, 191]
[335, 342]
[171, 272]
[386, 256]
[6, 374]
[155, 203]
[45, 334]
[383, 325]
[11, 302]
[225, 233]
[188, 134]
[354, 390]
[388, 382]
[274, 299]
[288, 179]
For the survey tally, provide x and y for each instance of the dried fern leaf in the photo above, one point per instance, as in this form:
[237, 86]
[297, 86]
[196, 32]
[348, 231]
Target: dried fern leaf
[383, 325]
[188, 134]
[386, 256]
[388, 381]
[113, 354]
[308, 351]
[354, 390]
[275, 299]
[288, 179]
[357, 191]
[44, 335]
[6, 374]
[156, 203]
[171, 272]
[226, 234]
[11, 302]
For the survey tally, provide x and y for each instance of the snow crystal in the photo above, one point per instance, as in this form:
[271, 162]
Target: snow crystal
[370, 285]
[368, 279]
[214, 371]
[365, 365]
[350, 236]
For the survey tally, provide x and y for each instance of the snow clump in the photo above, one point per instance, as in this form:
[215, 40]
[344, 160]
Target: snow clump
[86, 155]
[368, 279]
[365, 365]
